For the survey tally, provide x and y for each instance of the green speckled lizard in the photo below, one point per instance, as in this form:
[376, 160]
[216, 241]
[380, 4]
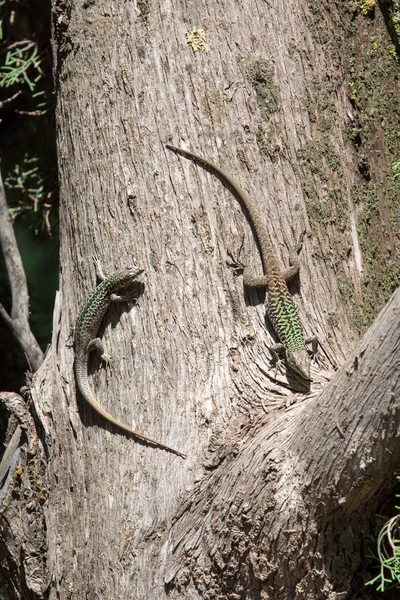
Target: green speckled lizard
[86, 339]
[279, 304]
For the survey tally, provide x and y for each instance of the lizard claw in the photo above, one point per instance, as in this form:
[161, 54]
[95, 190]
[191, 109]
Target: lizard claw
[99, 270]
[313, 340]
[71, 335]
[276, 360]
[299, 244]
[108, 362]
[279, 367]
[235, 263]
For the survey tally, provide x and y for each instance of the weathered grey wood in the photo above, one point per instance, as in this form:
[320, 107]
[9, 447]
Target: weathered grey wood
[262, 500]
[301, 485]
[18, 319]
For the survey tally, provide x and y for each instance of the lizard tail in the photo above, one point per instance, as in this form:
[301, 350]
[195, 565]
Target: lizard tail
[84, 388]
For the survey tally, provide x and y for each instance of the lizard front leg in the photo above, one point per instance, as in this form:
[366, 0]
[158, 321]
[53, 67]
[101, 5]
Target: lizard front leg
[313, 340]
[294, 260]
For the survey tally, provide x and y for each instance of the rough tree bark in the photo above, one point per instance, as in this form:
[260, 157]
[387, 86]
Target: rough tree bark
[281, 482]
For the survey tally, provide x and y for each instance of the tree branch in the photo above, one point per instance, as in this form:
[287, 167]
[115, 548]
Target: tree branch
[295, 474]
[19, 319]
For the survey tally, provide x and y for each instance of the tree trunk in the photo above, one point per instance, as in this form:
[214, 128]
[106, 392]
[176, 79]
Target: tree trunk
[266, 505]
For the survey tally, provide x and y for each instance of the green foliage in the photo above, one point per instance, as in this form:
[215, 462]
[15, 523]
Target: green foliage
[28, 166]
[27, 179]
[21, 65]
[24, 63]
[388, 549]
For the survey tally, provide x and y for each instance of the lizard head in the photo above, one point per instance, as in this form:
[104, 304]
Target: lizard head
[299, 361]
[122, 279]
[127, 275]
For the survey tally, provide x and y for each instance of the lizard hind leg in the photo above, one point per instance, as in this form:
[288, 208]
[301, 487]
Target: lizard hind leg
[250, 279]
[235, 263]
[96, 345]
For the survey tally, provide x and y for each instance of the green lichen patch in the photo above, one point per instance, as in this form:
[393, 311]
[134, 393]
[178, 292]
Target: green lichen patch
[265, 141]
[375, 135]
[321, 167]
[346, 288]
[371, 48]
[332, 319]
[364, 313]
[320, 158]
[260, 74]
[364, 7]
[352, 133]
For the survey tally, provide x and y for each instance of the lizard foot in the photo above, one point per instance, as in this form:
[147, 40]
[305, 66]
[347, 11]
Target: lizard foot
[313, 340]
[276, 360]
[99, 270]
[236, 264]
[107, 360]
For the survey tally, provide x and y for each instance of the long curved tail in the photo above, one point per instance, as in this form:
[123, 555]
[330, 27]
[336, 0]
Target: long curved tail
[84, 388]
[268, 256]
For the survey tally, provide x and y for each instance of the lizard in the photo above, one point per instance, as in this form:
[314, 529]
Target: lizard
[279, 304]
[86, 340]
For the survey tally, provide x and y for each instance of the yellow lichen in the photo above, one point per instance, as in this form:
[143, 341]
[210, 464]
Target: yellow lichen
[197, 39]
[353, 90]
[366, 6]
